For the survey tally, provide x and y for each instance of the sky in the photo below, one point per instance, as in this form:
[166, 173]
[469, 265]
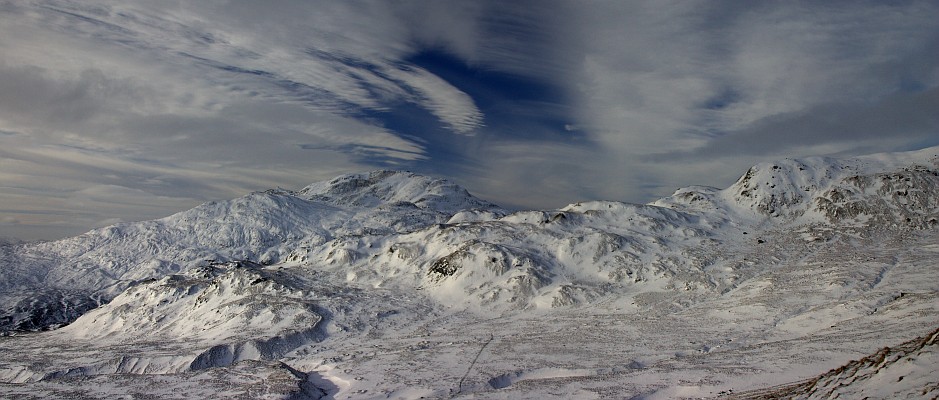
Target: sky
[127, 110]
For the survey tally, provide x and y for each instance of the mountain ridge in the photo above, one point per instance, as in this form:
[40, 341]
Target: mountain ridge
[277, 225]
[795, 251]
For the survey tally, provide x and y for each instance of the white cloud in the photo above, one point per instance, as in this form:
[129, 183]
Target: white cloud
[213, 99]
[691, 79]
[453, 107]
[188, 101]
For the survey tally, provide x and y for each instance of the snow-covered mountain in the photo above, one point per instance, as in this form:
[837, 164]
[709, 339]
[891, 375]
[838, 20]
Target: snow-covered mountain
[49, 284]
[347, 280]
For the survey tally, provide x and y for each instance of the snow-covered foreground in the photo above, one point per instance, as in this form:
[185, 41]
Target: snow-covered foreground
[392, 285]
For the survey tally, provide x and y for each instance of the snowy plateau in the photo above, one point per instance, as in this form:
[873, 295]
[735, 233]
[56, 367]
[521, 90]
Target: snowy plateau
[807, 278]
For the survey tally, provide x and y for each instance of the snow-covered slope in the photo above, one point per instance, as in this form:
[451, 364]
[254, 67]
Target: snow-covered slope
[48, 284]
[888, 187]
[353, 278]
[536, 259]
[215, 302]
[906, 371]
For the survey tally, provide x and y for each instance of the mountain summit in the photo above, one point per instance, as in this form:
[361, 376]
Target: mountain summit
[383, 188]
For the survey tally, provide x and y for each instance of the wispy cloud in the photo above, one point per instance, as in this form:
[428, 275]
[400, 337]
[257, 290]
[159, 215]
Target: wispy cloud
[738, 82]
[136, 109]
[210, 100]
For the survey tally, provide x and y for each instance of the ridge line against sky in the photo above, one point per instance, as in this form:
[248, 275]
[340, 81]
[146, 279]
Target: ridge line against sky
[131, 110]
